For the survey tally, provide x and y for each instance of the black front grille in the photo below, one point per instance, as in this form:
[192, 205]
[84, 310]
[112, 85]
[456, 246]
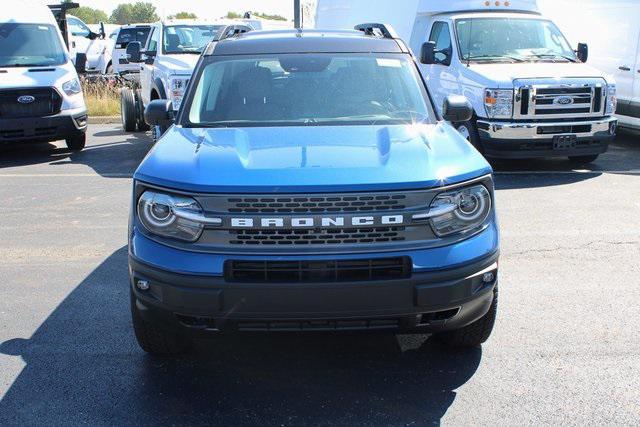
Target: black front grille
[317, 271]
[46, 102]
[317, 236]
[339, 203]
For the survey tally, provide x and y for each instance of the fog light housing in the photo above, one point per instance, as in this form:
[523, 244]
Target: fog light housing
[488, 277]
[142, 285]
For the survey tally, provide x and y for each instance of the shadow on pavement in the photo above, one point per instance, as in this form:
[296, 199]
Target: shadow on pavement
[83, 366]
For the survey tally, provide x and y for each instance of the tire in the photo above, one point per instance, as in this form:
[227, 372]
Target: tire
[76, 143]
[475, 333]
[470, 132]
[109, 70]
[583, 159]
[141, 124]
[154, 339]
[128, 110]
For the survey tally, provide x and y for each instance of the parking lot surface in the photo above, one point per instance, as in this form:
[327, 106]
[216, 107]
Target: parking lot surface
[565, 349]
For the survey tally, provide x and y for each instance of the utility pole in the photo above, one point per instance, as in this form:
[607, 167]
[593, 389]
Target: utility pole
[297, 14]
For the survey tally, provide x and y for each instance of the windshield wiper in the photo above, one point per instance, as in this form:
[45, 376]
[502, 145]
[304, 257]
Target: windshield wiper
[552, 55]
[490, 57]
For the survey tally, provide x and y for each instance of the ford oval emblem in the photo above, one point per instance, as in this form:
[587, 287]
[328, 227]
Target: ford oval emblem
[563, 100]
[26, 99]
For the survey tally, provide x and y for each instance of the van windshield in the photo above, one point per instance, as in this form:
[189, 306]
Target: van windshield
[188, 38]
[511, 40]
[30, 45]
[309, 89]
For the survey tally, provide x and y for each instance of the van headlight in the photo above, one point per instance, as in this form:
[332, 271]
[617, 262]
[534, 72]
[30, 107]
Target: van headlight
[170, 215]
[72, 87]
[498, 103]
[177, 88]
[460, 210]
[612, 100]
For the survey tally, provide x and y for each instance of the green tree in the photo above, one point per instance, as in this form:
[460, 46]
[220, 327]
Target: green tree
[90, 15]
[140, 12]
[184, 15]
[234, 15]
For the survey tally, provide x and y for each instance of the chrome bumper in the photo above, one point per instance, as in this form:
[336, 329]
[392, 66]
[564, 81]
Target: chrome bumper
[594, 129]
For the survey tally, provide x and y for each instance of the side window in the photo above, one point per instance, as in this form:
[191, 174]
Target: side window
[441, 35]
[153, 40]
[77, 27]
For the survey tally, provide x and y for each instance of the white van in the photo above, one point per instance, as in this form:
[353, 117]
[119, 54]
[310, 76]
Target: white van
[40, 95]
[531, 92]
[614, 49]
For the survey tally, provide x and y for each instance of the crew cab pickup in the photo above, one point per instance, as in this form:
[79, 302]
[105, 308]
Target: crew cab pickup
[309, 184]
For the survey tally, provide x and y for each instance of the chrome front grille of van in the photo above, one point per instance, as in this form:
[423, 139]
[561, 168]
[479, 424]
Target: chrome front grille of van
[575, 98]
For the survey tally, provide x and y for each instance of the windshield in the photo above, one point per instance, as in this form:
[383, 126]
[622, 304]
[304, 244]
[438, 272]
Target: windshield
[511, 40]
[127, 35]
[188, 38]
[30, 45]
[309, 89]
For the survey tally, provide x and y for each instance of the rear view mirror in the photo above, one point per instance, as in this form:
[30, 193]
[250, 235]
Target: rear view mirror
[427, 53]
[457, 109]
[133, 52]
[582, 52]
[159, 112]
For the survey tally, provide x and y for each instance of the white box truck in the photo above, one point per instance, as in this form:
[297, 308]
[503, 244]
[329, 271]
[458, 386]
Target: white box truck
[532, 94]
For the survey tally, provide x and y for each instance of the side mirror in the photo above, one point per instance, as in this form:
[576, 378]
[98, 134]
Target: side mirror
[92, 35]
[583, 52]
[81, 63]
[456, 109]
[159, 112]
[428, 53]
[133, 52]
[103, 33]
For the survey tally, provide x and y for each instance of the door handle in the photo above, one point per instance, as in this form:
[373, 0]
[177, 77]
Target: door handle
[624, 68]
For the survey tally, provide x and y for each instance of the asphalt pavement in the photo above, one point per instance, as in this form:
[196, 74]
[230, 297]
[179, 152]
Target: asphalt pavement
[565, 349]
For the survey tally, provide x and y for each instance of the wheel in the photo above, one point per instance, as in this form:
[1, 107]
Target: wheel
[141, 124]
[152, 338]
[470, 132]
[475, 333]
[583, 159]
[76, 143]
[128, 109]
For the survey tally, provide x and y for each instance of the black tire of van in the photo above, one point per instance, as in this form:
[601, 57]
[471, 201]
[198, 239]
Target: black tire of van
[128, 110]
[153, 339]
[77, 142]
[582, 160]
[469, 131]
[475, 333]
[142, 125]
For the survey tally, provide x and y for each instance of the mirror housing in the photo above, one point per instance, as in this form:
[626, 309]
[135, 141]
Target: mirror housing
[159, 112]
[583, 52]
[81, 63]
[134, 52]
[428, 53]
[103, 33]
[457, 108]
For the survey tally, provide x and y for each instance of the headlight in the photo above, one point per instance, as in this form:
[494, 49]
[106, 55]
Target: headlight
[612, 99]
[72, 87]
[172, 216]
[499, 103]
[177, 87]
[459, 211]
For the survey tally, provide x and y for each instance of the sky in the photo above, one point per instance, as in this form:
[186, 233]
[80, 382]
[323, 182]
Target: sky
[203, 8]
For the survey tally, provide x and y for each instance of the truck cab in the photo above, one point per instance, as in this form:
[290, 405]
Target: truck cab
[532, 94]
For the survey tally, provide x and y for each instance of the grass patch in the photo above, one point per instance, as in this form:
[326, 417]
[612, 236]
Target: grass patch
[102, 98]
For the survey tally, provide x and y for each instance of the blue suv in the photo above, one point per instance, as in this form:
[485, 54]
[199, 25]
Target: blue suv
[308, 184]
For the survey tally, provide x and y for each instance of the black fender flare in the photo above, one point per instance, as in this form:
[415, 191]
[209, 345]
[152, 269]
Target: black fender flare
[158, 86]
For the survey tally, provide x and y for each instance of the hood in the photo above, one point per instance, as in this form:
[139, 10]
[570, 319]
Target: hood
[311, 158]
[17, 77]
[504, 74]
[178, 64]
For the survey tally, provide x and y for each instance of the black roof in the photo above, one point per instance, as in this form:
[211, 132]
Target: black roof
[305, 41]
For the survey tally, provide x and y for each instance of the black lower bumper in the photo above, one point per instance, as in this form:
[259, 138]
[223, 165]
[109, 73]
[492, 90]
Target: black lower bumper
[426, 302]
[43, 129]
[530, 148]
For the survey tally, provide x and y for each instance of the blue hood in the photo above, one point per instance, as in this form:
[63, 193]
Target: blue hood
[311, 159]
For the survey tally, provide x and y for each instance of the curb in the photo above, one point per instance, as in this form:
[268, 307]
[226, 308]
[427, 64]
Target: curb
[104, 120]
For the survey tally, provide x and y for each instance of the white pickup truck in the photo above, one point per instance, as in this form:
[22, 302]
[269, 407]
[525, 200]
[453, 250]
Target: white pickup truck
[532, 94]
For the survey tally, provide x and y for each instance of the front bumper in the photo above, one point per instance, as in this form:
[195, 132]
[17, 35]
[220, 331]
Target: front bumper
[66, 124]
[536, 139]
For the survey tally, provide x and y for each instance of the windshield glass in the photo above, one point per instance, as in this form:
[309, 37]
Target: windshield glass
[127, 35]
[309, 89]
[30, 45]
[514, 40]
[188, 38]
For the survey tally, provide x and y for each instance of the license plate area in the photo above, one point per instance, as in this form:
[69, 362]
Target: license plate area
[563, 142]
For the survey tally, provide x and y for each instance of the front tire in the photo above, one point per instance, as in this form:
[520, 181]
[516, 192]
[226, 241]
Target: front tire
[584, 159]
[469, 131]
[153, 338]
[142, 125]
[128, 110]
[76, 143]
[475, 333]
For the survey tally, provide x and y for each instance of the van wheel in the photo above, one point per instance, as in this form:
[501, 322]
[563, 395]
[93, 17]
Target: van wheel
[128, 110]
[583, 159]
[475, 333]
[76, 143]
[469, 131]
[154, 339]
[142, 125]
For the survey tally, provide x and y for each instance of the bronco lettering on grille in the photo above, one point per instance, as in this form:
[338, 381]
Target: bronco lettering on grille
[320, 222]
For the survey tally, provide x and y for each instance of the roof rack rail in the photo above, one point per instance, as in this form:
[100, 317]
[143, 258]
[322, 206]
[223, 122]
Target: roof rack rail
[377, 30]
[232, 30]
